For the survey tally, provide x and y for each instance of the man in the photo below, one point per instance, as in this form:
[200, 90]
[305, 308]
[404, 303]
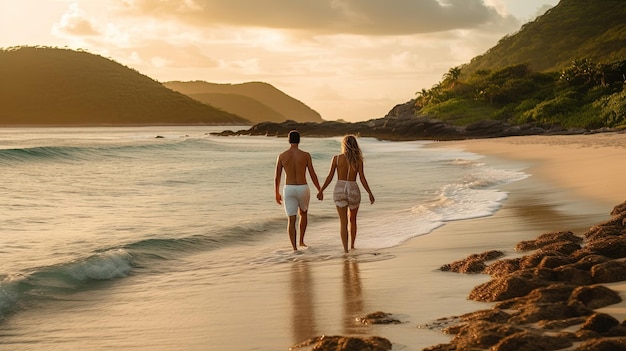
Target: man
[296, 194]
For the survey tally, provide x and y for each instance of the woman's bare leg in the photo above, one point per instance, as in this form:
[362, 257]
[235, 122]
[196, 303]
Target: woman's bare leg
[353, 213]
[343, 226]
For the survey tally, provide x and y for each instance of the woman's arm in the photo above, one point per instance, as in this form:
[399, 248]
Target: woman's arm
[329, 178]
[364, 182]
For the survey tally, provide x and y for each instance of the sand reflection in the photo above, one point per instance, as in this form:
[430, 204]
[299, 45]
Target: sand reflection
[303, 314]
[353, 298]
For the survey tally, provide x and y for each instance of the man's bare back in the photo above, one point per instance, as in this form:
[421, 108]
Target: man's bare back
[295, 162]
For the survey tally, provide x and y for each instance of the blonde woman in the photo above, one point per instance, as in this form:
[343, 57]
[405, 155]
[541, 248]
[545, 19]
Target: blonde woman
[347, 196]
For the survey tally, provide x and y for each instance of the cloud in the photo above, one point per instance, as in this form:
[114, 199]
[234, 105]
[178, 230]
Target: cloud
[74, 22]
[361, 17]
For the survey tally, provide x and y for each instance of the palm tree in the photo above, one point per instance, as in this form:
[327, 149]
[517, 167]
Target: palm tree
[451, 78]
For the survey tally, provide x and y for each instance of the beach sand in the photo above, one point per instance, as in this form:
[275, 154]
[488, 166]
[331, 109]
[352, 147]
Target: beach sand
[592, 166]
[575, 182]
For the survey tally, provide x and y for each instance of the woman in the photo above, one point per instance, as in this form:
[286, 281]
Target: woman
[347, 196]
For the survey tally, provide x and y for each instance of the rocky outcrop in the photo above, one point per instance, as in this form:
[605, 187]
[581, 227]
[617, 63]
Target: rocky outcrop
[401, 123]
[546, 300]
[388, 128]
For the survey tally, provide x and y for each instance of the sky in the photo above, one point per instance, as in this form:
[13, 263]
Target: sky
[347, 59]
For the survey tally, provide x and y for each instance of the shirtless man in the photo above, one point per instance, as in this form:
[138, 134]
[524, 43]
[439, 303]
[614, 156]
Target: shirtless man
[296, 194]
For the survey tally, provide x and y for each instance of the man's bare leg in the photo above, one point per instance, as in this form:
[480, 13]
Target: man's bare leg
[343, 226]
[303, 223]
[353, 214]
[291, 230]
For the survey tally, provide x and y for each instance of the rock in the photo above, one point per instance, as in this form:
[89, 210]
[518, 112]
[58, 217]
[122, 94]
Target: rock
[548, 239]
[600, 323]
[616, 226]
[507, 287]
[533, 260]
[604, 231]
[486, 128]
[609, 272]
[542, 294]
[553, 293]
[473, 263]
[493, 316]
[481, 335]
[503, 267]
[561, 247]
[619, 209]
[346, 343]
[554, 261]
[406, 110]
[595, 296]
[611, 247]
[603, 345]
[561, 323]
[535, 312]
[589, 261]
[573, 275]
[532, 341]
[378, 318]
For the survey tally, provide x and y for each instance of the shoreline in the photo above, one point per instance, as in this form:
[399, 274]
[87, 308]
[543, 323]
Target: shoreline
[588, 165]
[574, 179]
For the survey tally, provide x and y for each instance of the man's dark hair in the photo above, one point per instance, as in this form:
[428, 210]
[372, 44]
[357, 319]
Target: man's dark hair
[294, 137]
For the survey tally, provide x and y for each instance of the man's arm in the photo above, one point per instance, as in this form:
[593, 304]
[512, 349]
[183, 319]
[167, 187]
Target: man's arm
[312, 171]
[277, 175]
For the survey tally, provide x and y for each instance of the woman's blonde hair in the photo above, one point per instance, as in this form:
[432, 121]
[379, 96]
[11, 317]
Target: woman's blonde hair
[350, 148]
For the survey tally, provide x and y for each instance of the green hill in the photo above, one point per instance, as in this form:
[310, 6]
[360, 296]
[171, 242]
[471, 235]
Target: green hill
[566, 69]
[573, 29]
[244, 106]
[51, 86]
[271, 104]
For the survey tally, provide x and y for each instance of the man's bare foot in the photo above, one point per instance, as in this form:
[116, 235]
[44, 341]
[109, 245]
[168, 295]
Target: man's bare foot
[303, 245]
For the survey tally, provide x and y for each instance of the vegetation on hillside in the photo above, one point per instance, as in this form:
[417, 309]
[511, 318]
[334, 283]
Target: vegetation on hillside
[241, 105]
[571, 30]
[567, 68]
[582, 95]
[278, 105]
[52, 86]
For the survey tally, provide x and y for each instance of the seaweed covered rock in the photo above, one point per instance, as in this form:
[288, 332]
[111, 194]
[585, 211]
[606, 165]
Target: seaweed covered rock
[473, 263]
[548, 239]
[532, 341]
[379, 318]
[345, 343]
[596, 296]
[603, 345]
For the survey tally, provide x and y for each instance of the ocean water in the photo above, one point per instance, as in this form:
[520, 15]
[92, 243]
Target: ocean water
[159, 237]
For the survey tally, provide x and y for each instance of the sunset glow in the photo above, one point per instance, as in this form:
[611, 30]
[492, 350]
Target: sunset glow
[348, 59]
